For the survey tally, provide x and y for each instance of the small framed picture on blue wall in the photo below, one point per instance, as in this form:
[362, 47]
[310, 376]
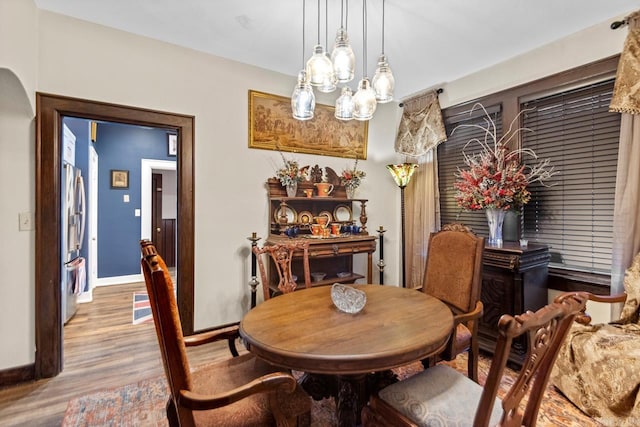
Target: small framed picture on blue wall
[119, 178]
[172, 144]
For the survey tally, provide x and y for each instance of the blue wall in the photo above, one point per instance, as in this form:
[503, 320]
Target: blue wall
[122, 147]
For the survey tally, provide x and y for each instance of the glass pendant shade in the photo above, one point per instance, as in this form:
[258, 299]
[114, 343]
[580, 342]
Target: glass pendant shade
[329, 83]
[383, 81]
[402, 173]
[364, 101]
[303, 101]
[343, 58]
[344, 105]
[319, 67]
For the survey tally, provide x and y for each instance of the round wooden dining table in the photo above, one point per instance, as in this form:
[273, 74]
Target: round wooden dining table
[338, 351]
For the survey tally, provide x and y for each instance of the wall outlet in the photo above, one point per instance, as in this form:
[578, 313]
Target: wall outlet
[26, 221]
[136, 212]
[125, 198]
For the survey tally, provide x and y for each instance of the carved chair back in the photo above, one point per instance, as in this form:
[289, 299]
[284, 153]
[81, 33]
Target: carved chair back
[545, 330]
[281, 256]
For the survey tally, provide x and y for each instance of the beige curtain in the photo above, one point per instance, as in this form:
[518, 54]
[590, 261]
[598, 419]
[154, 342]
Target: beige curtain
[421, 130]
[626, 100]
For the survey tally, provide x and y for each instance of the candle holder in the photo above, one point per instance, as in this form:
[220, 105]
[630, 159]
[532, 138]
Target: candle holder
[253, 282]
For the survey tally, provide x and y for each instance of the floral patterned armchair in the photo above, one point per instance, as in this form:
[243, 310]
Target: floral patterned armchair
[598, 367]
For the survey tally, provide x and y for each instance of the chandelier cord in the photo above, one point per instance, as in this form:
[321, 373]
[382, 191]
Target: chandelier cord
[318, 21]
[383, 27]
[326, 25]
[346, 15]
[364, 37]
[304, 4]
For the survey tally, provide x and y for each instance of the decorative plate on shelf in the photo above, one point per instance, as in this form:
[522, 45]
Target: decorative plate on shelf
[305, 217]
[327, 214]
[292, 215]
[342, 213]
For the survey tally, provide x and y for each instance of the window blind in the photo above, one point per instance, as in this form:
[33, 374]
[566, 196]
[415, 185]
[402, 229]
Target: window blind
[450, 159]
[574, 215]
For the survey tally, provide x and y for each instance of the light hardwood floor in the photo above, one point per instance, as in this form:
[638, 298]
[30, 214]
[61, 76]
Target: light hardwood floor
[102, 349]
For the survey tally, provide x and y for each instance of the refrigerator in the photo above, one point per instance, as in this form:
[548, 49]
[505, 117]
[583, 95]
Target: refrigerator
[73, 272]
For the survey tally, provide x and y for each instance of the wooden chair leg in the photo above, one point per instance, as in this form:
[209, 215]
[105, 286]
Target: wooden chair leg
[472, 364]
[172, 414]
[428, 362]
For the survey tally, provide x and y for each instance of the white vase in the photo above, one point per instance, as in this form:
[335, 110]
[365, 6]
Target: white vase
[351, 191]
[495, 218]
[292, 189]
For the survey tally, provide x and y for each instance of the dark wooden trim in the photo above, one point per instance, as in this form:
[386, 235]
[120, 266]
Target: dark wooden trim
[509, 99]
[17, 375]
[49, 112]
[574, 281]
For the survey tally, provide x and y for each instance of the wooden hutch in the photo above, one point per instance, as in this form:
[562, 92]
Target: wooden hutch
[331, 255]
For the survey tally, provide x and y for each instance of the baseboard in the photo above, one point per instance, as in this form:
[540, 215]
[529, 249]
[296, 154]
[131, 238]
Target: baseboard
[85, 297]
[17, 375]
[119, 280]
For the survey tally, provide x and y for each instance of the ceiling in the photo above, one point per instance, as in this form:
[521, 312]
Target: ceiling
[427, 42]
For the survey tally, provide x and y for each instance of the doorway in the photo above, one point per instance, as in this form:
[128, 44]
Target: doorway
[49, 112]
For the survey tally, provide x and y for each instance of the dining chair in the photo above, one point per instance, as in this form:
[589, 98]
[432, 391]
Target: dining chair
[281, 256]
[441, 396]
[239, 391]
[453, 274]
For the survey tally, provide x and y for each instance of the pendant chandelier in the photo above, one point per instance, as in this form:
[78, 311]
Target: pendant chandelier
[325, 72]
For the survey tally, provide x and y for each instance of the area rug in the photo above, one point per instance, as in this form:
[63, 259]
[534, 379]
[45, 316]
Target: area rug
[143, 403]
[141, 308]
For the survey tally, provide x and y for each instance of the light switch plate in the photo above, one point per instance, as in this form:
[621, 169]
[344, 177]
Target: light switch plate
[26, 221]
[137, 212]
[125, 198]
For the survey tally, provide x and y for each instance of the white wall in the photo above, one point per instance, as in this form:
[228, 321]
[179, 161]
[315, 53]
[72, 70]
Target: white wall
[591, 44]
[18, 51]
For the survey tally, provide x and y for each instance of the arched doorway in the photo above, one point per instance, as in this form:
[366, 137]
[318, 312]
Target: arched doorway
[49, 112]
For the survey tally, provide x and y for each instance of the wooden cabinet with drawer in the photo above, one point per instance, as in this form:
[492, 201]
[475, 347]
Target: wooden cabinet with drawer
[514, 280]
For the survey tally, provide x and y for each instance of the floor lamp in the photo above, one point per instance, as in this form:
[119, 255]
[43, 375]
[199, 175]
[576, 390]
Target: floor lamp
[402, 175]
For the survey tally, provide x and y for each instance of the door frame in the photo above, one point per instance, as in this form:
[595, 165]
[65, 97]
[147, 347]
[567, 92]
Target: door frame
[49, 112]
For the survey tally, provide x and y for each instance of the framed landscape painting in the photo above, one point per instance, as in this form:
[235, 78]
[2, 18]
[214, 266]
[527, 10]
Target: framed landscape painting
[272, 127]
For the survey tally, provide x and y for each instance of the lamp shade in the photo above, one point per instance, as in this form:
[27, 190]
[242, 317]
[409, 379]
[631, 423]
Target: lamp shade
[343, 58]
[319, 67]
[402, 173]
[383, 81]
[303, 101]
[364, 101]
[344, 105]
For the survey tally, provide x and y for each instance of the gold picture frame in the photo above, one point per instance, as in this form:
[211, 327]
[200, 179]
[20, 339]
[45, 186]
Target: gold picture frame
[272, 127]
[119, 178]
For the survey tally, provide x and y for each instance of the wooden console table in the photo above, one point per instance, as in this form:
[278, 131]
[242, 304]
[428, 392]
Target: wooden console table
[514, 280]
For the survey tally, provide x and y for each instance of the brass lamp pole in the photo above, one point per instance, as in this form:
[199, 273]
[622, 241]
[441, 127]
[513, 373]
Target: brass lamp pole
[402, 175]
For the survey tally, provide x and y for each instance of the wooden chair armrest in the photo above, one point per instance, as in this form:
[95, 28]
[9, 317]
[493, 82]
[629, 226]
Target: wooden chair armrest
[263, 384]
[611, 299]
[229, 333]
[583, 317]
[472, 315]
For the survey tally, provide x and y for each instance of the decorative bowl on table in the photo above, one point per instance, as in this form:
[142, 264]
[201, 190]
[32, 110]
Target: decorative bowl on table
[348, 299]
[343, 274]
[318, 276]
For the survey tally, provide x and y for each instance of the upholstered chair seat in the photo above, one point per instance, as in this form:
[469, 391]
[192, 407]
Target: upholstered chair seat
[256, 409]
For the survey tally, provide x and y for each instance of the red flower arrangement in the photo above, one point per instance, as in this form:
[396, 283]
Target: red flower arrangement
[495, 177]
